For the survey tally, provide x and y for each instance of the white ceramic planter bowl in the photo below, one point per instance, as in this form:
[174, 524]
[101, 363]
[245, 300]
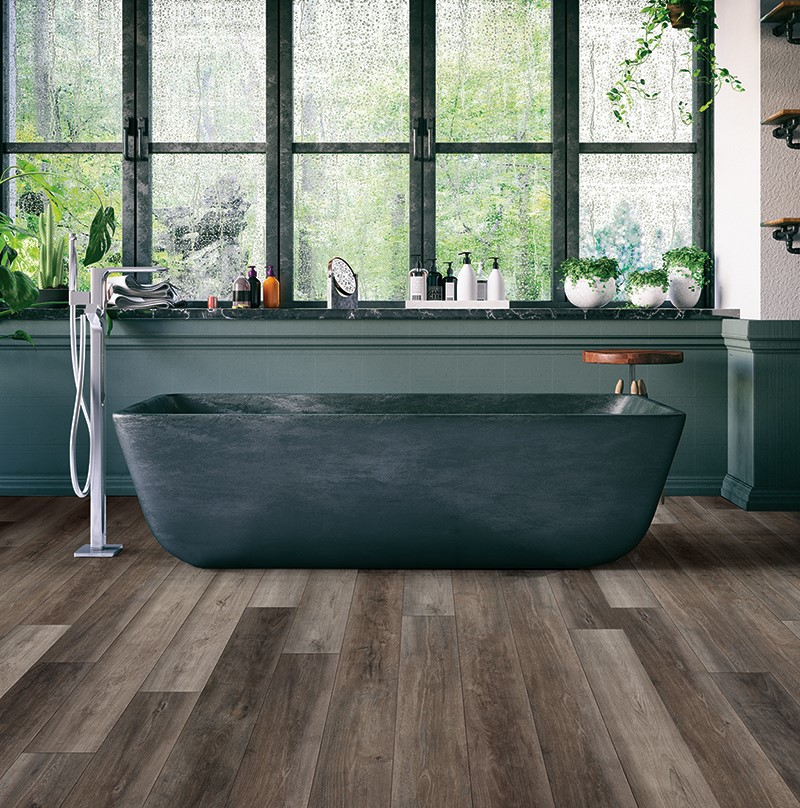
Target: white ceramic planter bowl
[647, 297]
[683, 291]
[589, 294]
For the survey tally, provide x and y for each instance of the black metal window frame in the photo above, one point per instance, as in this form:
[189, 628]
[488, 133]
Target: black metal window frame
[135, 148]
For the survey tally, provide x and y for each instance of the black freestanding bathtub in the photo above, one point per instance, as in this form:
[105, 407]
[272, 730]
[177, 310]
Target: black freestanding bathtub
[393, 481]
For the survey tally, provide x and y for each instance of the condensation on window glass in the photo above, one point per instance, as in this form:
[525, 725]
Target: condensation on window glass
[608, 34]
[209, 220]
[356, 207]
[65, 70]
[493, 70]
[80, 183]
[497, 204]
[634, 207]
[209, 69]
[351, 70]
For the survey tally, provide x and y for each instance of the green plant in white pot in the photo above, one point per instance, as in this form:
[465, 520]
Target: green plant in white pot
[52, 257]
[688, 271]
[590, 283]
[647, 289]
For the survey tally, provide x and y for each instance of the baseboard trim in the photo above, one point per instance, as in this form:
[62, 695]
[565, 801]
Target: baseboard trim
[121, 485]
[750, 498]
[56, 485]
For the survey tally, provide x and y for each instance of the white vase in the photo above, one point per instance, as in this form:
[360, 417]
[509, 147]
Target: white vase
[589, 294]
[647, 297]
[684, 291]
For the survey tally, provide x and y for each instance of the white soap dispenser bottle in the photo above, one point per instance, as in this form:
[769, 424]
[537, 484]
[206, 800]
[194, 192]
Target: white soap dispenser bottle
[496, 286]
[467, 282]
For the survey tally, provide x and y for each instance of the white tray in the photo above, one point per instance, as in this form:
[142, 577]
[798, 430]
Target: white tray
[457, 304]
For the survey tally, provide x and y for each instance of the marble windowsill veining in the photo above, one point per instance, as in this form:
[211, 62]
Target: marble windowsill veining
[399, 313]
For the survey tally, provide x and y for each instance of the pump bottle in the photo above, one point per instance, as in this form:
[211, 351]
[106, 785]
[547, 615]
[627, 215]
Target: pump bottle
[417, 281]
[467, 283]
[435, 282]
[449, 282]
[481, 280]
[255, 288]
[496, 287]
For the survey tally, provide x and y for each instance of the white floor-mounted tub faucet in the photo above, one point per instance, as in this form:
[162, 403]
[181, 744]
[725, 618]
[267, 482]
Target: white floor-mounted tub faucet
[94, 305]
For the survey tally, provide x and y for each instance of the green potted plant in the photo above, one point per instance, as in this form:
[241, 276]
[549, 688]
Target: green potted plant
[658, 16]
[17, 291]
[590, 282]
[47, 204]
[647, 289]
[688, 270]
[52, 259]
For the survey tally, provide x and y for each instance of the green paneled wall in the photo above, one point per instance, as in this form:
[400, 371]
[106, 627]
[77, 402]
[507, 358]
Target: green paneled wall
[148, 357]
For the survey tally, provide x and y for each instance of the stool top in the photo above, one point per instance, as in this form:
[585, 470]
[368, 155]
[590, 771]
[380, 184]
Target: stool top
[634, 357]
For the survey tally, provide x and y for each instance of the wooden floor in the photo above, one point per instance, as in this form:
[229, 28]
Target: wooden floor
[670, 679]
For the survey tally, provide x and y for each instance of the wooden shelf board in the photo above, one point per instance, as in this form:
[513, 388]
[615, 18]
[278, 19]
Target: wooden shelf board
[780, 222]
[781, 12]
[781, 117]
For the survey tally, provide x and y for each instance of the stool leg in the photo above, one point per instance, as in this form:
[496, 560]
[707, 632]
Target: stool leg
[643, 388]
[632, 371]
[620, 386]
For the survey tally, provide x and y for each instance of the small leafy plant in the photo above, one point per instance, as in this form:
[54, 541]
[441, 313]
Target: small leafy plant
[649, 277]
[658, 17]
[593, 270]
[52, 251]
[693, 259]
[18, 291]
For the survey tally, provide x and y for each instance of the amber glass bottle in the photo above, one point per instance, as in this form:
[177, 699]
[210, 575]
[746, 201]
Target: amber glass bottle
[272, 290]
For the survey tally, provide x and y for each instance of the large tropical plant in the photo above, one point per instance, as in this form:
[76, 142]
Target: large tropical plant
[658, 16]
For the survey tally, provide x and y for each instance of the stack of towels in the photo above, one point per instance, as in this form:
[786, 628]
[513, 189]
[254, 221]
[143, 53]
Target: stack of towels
[125, 292]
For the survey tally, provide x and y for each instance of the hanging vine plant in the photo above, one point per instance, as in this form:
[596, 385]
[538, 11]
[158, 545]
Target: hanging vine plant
[658, 17]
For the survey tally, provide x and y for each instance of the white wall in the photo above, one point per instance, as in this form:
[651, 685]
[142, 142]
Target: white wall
[737, 162]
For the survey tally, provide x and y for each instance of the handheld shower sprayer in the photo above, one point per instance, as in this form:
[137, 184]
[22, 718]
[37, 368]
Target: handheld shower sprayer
[93, 315]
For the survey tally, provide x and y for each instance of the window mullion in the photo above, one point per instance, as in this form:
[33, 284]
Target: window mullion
[137, 199]
[429, 113]
[416, 194]
[285, 157]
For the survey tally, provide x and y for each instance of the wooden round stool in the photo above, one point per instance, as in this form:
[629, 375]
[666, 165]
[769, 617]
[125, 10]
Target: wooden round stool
[632, 359]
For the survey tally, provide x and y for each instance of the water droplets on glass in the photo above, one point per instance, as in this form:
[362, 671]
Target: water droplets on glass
[209, 219]
[497, 204]
[67, 65]
[634, 207]
[209, 66]
[608, 34]
[493, 70]
[354, 206]
[351, 71]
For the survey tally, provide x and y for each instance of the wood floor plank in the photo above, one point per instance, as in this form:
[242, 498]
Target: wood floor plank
[656, 760]
[431, 768]
[193, 653]
[354, 769]
[793, 626]
[716, 737]
[623, 587]
[428, 592]
[91, 710]
[31, 702]
[772, 716]
[201, 768]
[127, 764]
[706, 628]
[66, 604]
[52, 519]
[777, 648]
[89, 638]
[581, 600]
[321, 618]
[280, 588]
[40, 779]
[506, 764]
[21, 648]
[288, 734]
[581, 761]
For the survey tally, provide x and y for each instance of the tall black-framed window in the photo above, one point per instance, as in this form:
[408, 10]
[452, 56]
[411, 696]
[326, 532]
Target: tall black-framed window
[286, 131]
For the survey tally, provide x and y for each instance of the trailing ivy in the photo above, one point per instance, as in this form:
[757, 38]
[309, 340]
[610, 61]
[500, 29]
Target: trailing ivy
[693, 259]
[630, 86]
[593, 270]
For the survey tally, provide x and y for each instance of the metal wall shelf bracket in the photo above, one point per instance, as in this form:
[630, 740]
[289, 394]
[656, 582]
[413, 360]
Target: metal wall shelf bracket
[786, 28]
[788, 234]
[785, 16]
[786, 132]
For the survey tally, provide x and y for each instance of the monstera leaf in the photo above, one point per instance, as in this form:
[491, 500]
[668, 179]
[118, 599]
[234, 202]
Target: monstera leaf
[17, 290]
[101, 233]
